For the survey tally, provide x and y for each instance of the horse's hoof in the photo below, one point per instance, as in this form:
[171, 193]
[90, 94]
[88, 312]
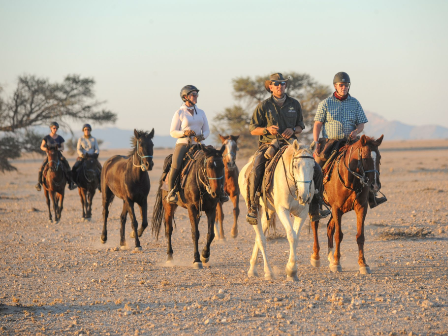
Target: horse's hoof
[123, 247]
[335, 268]
[268, 276]
[234, 234]
[50, 221]
[132, 234]
[252, 273]
[364, 270]
[138, 248]
[169, 262]
[292, 277]
[205, 260]
[222, 239]
[315, 263]
[197, 265]
[56, 222]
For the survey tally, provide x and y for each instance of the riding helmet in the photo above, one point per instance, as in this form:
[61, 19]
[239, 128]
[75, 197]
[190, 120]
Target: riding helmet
[54, 123]
[341, 77]
[186, 90]
[88, 126]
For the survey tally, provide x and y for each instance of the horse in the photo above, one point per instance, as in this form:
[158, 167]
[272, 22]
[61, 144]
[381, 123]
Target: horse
[122, 177]
[290, 192]
[230, 185]
[355, 171]
[54, 183]
[87, 181]
[202, 189]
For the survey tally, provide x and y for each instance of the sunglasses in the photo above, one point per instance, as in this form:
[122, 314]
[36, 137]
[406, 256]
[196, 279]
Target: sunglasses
[343, 84]
[194, 94]
[278, 83]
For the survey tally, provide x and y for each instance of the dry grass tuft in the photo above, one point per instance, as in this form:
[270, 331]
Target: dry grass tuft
[409, 233]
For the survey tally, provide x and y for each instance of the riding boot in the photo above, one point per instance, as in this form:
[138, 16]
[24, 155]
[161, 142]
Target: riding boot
[375, 201]
[316, 212]
[252, 215]
[39, 183]
[71, 183]
[172, 195]
[223, 197]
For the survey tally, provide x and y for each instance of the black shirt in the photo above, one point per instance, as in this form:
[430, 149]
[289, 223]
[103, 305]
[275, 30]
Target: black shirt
[49, 141]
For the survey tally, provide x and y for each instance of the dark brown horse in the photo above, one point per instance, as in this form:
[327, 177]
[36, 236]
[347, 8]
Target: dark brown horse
[201, 193]
[230, 185]
[54, 183]
[87, 180]
[356, 170]
[127, 178]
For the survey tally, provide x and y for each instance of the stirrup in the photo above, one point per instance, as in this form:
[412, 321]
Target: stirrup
[72, 185]
[252, 216]
[377, 201]
[38, 187]
[172, 196]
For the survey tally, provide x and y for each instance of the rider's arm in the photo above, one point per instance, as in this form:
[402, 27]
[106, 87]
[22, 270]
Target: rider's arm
[175, 129]
[43, 146]
[96, 147]
[316, 132]
[79, 149]
[357, 130]
[258, 122]
[61, 147]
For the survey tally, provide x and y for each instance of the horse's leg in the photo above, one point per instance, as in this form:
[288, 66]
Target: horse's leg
[338, 236]
[169, 215]
[82, 197]
[123, 216]
[108, 197]
[260, 243]
[236, 213]
[47, 197]
[210, 235]
[144, 214]
[361, 212]
[219, 217]
[55, 205]
[315, 258]
[61, 198]
[134, 224]
[89, 195]
[291, 266]
[330, 236]
[194, 221]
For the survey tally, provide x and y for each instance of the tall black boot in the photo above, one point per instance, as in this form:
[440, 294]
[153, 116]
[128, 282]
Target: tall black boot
[39, 181]
[71, 183]
[172, 195]
[252, 215]
[375, 201]
[316, 212]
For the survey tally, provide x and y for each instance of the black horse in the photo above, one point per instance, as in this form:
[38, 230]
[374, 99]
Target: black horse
[87, 180]
[127, 178]
[203, 186]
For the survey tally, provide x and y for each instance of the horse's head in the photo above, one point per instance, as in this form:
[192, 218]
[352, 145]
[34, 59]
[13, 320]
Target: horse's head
[214, 170]
[89, 166]
[230, 149]
[370, 156]
[302, 170]
[143, 149]
[53, 157]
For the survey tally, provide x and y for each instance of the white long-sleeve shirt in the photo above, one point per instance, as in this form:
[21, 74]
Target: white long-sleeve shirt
[87, 145]
[183, 120]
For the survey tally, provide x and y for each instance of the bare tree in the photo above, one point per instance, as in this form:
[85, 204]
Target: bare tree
[36, 101]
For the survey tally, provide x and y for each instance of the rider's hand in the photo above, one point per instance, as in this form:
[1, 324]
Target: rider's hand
[287, 133]
[189, 133]
[317, 148]
[353, 134]
[272, 129]
[199, 138]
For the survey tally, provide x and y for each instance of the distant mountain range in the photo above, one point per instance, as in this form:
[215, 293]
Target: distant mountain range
[395, 130]
[117, 138]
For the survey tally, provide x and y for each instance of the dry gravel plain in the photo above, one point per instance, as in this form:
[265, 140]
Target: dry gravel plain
[59, 278]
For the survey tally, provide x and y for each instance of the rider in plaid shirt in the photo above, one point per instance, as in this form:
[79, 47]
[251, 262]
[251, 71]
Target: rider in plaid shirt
[341, 116]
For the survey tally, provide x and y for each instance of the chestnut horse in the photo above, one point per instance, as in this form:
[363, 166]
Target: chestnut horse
[87, 181]
[127, 178]
[230, 185]
[203, 187]
[356, 170]
[54, 183]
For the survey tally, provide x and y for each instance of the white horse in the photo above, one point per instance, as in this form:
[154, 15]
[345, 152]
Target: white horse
[292, 191]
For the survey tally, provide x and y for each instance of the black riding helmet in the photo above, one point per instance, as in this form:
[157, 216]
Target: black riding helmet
[341, 77]
[54, 123]
[88, 126]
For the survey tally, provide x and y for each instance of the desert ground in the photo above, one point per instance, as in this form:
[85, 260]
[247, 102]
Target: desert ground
[60, 279]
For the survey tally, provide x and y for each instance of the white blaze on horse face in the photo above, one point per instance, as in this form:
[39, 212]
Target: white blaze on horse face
[230, 149]
[375, 184]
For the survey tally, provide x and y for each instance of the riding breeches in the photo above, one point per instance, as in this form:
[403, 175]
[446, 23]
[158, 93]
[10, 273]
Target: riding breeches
[257, 173]
[176, 164]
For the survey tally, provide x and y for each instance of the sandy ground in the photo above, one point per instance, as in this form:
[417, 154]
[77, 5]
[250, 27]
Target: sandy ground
[59, 278]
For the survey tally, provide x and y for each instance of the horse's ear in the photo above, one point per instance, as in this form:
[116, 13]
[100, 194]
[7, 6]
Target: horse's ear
[295, 145]
[151, 134]
[222, 138]
[223, 148]
[135, 133]
[379, 140]
[235, 137]
[363, 140]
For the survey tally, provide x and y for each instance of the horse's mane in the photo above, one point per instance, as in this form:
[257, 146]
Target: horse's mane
[134, 141]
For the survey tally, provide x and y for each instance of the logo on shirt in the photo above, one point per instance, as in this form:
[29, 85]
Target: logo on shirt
[291, 109]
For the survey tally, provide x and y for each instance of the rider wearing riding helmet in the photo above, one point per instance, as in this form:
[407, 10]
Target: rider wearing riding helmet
[51, 140]
[87, 145]
[189, 121]
[341, 117]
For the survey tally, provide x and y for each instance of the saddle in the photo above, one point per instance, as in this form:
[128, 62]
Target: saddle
[269, 171]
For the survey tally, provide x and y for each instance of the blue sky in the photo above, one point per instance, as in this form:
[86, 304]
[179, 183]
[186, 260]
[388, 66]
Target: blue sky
[142, 52]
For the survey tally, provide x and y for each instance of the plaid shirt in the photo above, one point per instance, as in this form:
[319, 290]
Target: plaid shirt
[340, 118]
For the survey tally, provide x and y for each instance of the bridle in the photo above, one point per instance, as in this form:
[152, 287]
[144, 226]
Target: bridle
[298, 181]
[230, 153]
[206, 183]
[142, 165]
[87, 170]
[362, 177]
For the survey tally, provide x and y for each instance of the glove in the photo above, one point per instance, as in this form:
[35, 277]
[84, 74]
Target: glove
[199, 138]
[189, 133]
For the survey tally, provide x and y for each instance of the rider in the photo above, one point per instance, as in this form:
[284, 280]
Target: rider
[54, 139]
[341, 116]
[87, 145]
[277, 116]
[188, 121]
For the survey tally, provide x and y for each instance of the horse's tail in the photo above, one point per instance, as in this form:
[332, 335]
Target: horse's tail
[158, 213]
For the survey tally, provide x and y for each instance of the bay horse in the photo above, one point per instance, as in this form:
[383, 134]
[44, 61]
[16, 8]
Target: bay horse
[356, 170]
[87, 181]
[290, 193]
[231, 186]
[202, 189]
[127, 178]
[54, 183]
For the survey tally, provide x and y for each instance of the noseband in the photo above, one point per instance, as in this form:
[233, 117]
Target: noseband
[363, 176]
[142, 165]
[206, 183]
[297, 181]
